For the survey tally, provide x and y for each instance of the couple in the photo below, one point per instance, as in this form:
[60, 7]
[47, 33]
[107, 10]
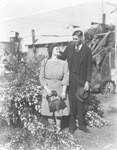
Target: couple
[72, 69]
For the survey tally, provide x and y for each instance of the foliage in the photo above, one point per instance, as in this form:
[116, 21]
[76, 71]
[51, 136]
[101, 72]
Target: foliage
[44, 139]
[11, 63]
[91, 33]
[21, 105]
[22, 92]
[22, 71]
[94, 115]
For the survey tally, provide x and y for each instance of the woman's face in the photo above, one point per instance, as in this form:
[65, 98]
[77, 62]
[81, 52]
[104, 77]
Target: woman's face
[56, 51]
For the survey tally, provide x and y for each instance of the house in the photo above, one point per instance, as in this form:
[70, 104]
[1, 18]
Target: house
[4, 51]
[4, 47]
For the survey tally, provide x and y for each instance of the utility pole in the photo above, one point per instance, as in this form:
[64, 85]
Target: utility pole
[15, 45]
[103, 21]
[115, 40]
[103, 24]
[33, 42]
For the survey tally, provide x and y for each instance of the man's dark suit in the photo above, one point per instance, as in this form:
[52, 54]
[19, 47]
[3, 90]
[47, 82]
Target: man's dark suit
[78, 77]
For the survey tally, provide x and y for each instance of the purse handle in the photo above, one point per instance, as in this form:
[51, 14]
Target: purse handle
[54, 93]
[46, 60]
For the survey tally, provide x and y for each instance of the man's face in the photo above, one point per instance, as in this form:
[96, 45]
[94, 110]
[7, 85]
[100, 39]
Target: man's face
[77, 40]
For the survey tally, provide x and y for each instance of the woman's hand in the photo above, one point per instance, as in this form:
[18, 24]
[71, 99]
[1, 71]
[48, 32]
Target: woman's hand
[49, 92]
[63, 95]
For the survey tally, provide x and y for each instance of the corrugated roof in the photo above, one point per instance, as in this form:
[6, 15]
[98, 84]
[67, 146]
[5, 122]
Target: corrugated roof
[47, 40]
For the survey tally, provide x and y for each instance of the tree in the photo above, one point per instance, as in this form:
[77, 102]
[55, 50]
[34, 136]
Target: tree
[91, 33]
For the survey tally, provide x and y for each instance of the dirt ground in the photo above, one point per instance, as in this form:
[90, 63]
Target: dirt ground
[104, 138]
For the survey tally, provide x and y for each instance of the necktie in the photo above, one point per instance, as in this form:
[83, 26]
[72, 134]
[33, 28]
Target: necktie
[77, 48]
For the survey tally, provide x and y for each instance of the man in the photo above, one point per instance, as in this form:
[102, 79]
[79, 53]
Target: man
[79, 59]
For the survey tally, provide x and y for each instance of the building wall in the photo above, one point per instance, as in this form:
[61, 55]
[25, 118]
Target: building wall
[39, 51]
[42, 49]
[4, 51]
[4, 47]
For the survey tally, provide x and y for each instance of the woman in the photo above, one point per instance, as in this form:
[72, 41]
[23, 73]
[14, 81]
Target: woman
[54, 75]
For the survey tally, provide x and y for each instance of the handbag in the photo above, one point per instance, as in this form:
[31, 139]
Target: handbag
[55, 102]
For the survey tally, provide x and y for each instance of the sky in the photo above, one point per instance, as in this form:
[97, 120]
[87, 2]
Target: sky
[17, 9]
[10, 9]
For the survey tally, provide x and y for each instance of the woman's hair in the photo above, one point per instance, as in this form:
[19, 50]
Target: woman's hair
[51, 47]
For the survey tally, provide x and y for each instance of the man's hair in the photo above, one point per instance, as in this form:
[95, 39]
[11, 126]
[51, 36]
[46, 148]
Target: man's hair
[78, 33]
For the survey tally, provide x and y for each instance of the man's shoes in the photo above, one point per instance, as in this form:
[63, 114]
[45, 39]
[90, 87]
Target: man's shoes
[84, 129]
[72, 130]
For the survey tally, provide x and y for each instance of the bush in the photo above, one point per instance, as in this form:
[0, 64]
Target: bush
[22, 92]
[20, 98]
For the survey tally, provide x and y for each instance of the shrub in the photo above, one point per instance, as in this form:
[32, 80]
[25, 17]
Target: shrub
[22, 92]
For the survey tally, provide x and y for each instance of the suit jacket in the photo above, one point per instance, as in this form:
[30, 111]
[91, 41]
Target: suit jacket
[85, 71]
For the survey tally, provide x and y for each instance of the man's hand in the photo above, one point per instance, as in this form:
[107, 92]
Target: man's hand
[87, 86]
[48, 92]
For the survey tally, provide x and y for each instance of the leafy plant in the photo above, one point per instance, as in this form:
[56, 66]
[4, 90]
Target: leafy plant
[94, 116]
[22, 97]
[21, 105]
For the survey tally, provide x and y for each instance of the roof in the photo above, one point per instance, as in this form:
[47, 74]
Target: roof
[48, 39]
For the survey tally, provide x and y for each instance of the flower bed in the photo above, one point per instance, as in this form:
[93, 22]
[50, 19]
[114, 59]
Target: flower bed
[26, 129]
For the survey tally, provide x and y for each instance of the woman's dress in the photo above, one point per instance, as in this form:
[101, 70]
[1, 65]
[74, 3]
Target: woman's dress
[54, 74]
